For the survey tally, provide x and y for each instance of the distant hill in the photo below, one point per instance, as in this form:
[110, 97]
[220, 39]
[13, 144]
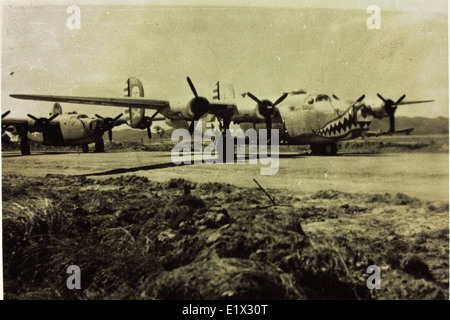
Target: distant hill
[137, 135]
[421, 126]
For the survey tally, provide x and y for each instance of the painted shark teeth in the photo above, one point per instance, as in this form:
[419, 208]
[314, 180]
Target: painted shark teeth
[342, 126]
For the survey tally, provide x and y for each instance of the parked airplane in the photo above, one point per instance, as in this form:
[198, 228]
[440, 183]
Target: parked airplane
[176, 113]
[61, 129]
[304, 119]
[314, 119]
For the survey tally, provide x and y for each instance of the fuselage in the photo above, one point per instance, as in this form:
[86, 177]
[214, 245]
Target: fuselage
[68, 130]
[317, 119]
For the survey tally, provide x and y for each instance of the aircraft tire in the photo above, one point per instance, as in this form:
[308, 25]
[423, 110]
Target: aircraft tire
[327, 149]
[315, 149]
[25, 147]
[85, 148]
[100, 146]
[330, 149]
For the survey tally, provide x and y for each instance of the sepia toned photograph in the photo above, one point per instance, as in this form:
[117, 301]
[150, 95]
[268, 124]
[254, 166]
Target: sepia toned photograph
[225, 150]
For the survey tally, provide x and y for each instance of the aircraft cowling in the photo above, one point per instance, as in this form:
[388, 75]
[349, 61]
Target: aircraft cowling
[196, 108]
[378, 110]
[265, 109]
[146, 123]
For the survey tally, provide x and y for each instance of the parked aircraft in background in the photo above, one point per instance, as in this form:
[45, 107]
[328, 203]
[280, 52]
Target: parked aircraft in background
[60, 129]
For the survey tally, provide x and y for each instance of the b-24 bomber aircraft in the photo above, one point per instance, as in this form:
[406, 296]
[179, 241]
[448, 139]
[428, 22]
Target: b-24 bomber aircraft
[60, 129]
[304, 119]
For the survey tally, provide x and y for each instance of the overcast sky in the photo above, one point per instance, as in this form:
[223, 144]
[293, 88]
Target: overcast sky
[321, 46]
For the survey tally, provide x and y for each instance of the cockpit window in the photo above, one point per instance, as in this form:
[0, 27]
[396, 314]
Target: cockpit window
[324, 104]
[322, 97]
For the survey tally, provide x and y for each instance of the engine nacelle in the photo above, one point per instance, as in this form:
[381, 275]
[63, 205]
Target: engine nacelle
[198, 106]
[377, 109]
[177, 123]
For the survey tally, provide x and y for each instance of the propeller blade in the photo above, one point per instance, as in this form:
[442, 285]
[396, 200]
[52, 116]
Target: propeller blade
[192, 87]
[192, 127]
[280, 99]
[149, 133]
[253, 98]
[193, 124]
[400, 99]
[118, 117]
[269, 128]
[154, 115]
[361, 98]
[392, 123]
[53, 117]
[6, 113]
[336, 97]
[381, 97]
[110, 135]
[32, 117]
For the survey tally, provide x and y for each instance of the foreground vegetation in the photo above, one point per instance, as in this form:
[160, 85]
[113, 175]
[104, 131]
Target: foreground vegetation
[137, 239]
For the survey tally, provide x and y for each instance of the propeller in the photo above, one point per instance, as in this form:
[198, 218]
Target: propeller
[390, 107]
[147, 123]
[267, 109]
[6, 113]
[199, 106]
[361, 98]
[108, 124]
[42, 124]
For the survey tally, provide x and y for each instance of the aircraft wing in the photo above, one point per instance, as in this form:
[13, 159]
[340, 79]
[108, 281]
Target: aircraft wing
[14, 122]
[216, 108]
[414, 102]
[387, 133]
[220, 109]
[114, 102]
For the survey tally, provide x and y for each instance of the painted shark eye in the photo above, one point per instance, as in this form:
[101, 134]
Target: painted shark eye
[311, 101]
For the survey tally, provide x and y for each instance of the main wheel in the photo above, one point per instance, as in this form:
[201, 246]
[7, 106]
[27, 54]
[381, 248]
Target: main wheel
[316, 149]
[85, 148]
[100, 146]
[25, 147]
[325, 149]
[330, 149]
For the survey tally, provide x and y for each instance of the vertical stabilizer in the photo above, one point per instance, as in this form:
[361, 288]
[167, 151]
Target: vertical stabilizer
[57, 109]
[134, 89]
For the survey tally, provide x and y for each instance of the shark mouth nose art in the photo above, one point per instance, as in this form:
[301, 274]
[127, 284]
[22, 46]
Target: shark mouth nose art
[356, 118]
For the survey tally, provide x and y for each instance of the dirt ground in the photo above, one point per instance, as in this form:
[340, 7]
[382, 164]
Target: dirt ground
[137, 239]
[422, 175]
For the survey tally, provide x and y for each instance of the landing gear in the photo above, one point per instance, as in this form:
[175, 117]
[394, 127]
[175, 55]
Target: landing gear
[222, 149]
[99, 146]
[324, 149]
[24, 146]
[85, 148]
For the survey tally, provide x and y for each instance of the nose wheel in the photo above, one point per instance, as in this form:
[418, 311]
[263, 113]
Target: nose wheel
[325, 149]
